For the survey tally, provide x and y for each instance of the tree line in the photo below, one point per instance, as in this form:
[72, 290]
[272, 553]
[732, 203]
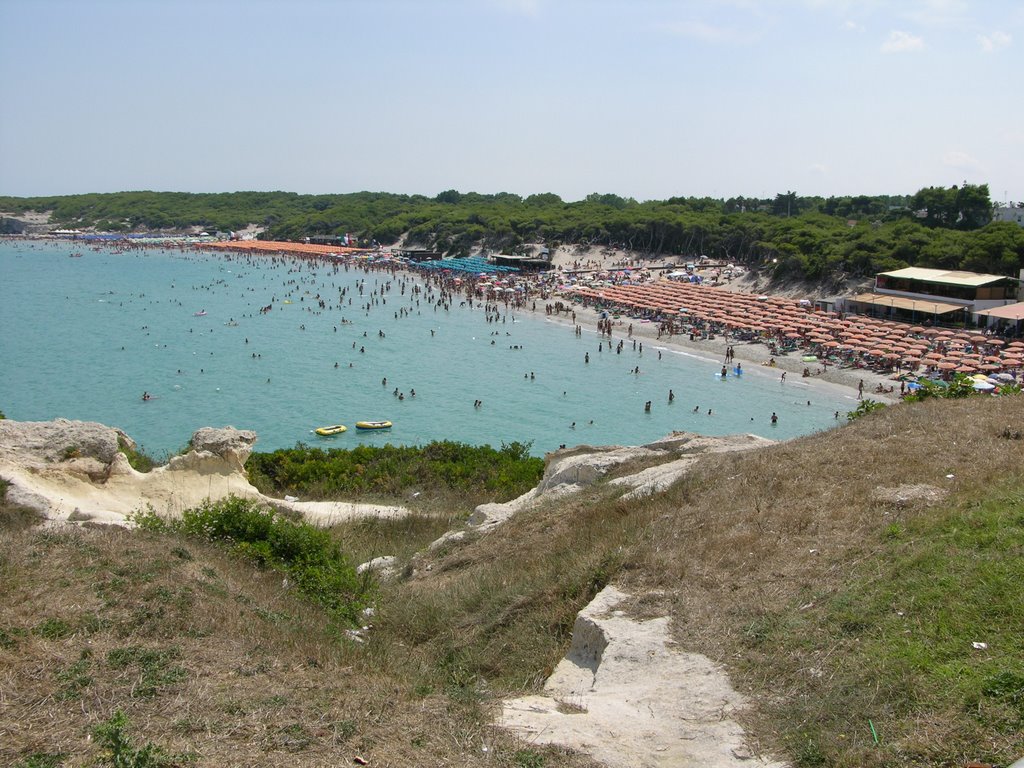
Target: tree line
[793, 236]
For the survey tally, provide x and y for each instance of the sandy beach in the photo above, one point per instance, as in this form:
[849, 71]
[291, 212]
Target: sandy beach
[749, 353]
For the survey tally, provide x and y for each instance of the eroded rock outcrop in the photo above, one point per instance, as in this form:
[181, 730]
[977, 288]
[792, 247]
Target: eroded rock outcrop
[232, 445]
[570, 470]
[59, 440]
[73, 471]
[625, 695]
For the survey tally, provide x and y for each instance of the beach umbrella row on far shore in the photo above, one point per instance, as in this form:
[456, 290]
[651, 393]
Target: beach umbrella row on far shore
[790, 323]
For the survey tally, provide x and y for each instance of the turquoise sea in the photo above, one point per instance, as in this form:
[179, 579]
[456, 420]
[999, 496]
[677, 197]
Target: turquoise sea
[84, 337]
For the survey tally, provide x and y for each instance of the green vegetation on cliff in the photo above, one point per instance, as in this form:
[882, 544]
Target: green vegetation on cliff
[437, 472]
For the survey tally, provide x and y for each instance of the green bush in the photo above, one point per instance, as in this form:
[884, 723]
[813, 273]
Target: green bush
[864, 407]
[476, 473]
[306, 554]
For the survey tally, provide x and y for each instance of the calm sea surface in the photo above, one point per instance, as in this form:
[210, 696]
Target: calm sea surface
[83, 338]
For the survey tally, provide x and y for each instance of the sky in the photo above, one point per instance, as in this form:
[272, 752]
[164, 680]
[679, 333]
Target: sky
[648, 99]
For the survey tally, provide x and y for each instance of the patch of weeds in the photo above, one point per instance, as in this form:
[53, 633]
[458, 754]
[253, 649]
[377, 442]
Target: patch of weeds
[147, 519]
[118, 751]
[809, 754]
[293, 737]
[53, 629]
[71, 452]
[344, 730]
[15, 518]
[182, 554]
[189, 726]
[216, 590]
[865, 407]
[272, 617]
[761, 630]
[528, 758]
[138, 460]
[42, 760]
[893, 531]
[232, 707]
[9, 637]
[75, 678]
[90, 623]
[155, 668]
[1006, 688]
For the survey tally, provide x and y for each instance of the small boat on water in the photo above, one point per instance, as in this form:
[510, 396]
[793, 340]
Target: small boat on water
[373, 425]
[200, 313]
[334, 429]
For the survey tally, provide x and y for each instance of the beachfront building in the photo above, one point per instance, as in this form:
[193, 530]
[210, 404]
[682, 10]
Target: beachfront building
[916, 294]
[1007, 319]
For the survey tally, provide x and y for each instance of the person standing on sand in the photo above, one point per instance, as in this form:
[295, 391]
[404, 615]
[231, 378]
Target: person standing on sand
[860, 389]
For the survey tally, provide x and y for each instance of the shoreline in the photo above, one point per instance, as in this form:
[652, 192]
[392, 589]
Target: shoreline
[755, 354]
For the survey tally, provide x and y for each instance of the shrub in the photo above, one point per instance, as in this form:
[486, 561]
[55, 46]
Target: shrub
[865, 407]
[138, 461]
[308, 555]
[118, 750]
[476, 473]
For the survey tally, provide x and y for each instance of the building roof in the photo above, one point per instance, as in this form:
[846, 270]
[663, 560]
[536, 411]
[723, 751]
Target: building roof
[950, 277]
[914, 305]
[1006, 312]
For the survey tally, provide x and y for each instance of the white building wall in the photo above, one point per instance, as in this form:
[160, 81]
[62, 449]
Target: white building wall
[1009, 213]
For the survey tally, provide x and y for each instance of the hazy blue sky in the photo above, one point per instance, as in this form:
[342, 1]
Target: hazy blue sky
[643, 98]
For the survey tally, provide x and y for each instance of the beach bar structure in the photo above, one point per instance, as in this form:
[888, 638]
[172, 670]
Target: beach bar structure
[1009, 317]
[948, 296]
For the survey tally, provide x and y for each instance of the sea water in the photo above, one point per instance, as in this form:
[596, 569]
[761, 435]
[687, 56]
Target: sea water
[84, 337]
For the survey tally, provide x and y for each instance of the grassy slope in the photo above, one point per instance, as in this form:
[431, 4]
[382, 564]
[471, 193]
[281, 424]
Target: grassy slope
[833, 609]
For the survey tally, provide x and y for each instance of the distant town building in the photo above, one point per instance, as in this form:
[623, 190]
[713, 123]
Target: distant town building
[1011, 212]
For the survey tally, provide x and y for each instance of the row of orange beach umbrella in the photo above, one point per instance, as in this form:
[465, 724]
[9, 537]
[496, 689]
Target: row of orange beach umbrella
[794, 324]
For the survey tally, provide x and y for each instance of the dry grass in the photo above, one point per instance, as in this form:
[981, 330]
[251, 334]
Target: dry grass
[206, 657]
[764, 560]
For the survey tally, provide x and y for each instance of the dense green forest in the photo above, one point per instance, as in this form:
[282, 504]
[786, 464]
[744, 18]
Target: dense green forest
[795, 237]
